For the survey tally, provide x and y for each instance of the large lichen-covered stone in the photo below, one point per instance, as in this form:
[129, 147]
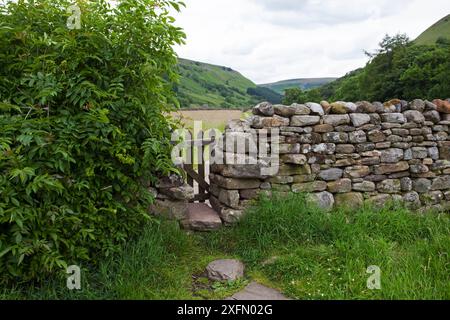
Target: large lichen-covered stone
[380, 200]
[357, 171]
[389, 186]
[336, 120]
[315, 186]
[376, 136]
[412, 200]
[365, 107]
[260, 122]
[264, 109]
[230, 198]
[393, 118]
[365, 186]
[441, 165]
[421, 185]
[340, 186]
[323, 200]
[237, 125]
[392, 155]
[442, 106]
[228, 215]
[414, 116]
[345, 148]
[358, 136]
[244, 171]
[359, 119]
[282, 179]
[391, 168]
[170, 209]
[432, 197]
[301, 109]
[170, 181]
[417, 105]
[292, 170]
[284, 111]
[406, 184]
[444, 150]
[234, 184]
[350, 200]
[323, 128]
[441, 183]
[303, 121]
[324, 148]
[249, 194]
[432, 116]
[335, 137]
[331, 174]
[316, 109]
[340, 108]
[184, 192]
[286, 148]
[299, 159]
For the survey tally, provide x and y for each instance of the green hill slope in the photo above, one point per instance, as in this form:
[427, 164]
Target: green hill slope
[433, 33]
[305, 84]
[209, 85]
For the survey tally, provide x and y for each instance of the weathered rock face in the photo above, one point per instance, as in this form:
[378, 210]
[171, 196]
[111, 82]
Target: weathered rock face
[344, 154]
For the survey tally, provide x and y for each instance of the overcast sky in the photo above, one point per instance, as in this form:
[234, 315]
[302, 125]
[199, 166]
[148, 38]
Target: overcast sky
[271, 40]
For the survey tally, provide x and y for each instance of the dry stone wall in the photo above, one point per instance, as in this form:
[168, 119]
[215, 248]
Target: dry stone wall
[342, 154]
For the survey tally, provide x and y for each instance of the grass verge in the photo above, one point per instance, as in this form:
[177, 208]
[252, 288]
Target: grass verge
[286, 244]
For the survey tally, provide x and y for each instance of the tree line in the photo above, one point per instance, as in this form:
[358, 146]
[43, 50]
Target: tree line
[398, 69]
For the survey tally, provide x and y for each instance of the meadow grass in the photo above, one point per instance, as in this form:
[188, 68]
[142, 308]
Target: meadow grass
[286, 244]
[310, 254]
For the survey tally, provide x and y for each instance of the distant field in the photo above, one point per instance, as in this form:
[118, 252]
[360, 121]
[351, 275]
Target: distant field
[211, 118]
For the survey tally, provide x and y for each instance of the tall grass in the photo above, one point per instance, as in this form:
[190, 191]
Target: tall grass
[286, 243]
[325, 255]
[151, 267]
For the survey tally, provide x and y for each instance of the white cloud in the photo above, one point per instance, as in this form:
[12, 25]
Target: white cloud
[270, 40]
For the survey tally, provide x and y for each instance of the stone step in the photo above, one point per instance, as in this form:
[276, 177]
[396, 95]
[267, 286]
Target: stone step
[201, 217]
[256, 291]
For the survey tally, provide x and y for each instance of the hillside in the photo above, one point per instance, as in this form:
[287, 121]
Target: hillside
[433, 33]
[416, 71]
[305, 84]
[209, 85]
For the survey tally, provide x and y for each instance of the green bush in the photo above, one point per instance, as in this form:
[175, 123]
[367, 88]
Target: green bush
[83, 130]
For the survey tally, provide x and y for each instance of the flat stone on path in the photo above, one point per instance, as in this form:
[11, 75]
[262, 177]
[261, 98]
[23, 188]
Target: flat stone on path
[225, 270]
[256, 291]
[201, 217]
